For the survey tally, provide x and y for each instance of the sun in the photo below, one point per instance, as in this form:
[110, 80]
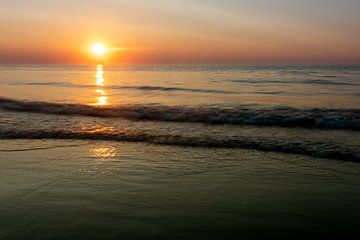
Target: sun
[98, 49]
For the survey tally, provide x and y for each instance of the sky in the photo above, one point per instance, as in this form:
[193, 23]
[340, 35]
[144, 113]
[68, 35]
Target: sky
[181, 31]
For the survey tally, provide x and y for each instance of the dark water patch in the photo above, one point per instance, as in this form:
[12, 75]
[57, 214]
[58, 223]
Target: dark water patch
[328, 76]
[270, 92]
[305, 81]
[326, 82]
[173, 89]
[40, 148]
[44, 84]
[142, 88]
[48, 84]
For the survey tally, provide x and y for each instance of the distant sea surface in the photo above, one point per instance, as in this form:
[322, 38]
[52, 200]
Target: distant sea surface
[179, 151]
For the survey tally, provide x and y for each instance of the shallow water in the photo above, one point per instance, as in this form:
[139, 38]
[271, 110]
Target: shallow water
[109, 190]
[174, 152]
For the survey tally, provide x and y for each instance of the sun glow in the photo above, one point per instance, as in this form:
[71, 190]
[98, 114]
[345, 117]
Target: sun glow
[98, 49]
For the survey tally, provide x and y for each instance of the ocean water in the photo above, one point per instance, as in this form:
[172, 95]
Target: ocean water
[179, 151]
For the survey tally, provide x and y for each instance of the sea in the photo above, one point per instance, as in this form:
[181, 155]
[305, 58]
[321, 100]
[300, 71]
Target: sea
[179, 151]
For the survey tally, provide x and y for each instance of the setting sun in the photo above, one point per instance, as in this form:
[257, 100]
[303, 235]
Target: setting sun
[179, 119]
[98, 49]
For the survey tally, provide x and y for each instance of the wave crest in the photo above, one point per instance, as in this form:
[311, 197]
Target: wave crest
[314, 149]
[242, 115]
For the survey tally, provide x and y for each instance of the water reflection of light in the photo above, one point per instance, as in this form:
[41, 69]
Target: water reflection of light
[103, 161]
[103, 152]
[102, 92]
[102, 101]
[100, 82]
[99, 76]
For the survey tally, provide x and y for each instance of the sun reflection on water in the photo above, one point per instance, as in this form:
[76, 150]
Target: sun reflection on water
[99, 75]
[104, 163]
[103, 152]
[102, 98]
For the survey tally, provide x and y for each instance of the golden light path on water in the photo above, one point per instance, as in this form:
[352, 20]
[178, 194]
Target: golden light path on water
[103, 152]
[103, 161]
[102, 98]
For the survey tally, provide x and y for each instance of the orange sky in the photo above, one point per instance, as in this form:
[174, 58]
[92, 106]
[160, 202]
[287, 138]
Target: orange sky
[170, 31]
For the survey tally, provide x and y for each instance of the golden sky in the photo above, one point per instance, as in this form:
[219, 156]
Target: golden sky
[180, 31]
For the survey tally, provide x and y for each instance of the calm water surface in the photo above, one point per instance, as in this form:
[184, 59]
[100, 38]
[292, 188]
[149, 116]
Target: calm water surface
[299, 86]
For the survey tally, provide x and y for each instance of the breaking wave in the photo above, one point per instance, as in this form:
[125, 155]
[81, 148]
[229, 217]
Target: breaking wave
[242, 115]
[301, 147]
